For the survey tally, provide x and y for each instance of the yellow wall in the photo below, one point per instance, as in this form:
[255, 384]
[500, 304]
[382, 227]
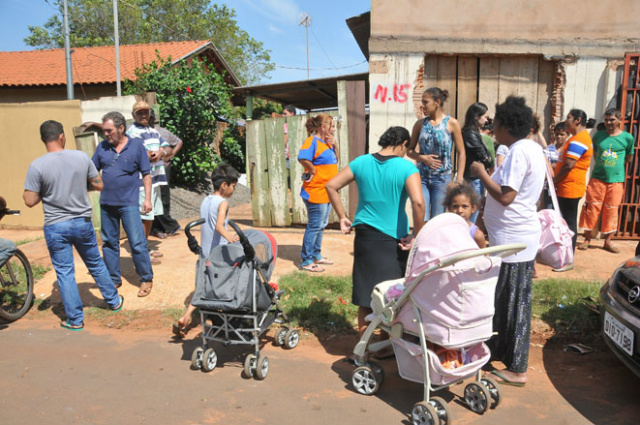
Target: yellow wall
[20, 144]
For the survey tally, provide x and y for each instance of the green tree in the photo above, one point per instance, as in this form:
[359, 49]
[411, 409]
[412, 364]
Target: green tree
[151, 21]
[192, 99]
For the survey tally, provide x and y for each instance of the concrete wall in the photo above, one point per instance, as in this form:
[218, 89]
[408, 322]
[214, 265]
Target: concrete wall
[393, 78]
[94, 110]
[20, 144]
[548, 27]
[591, 85]
[51, 93]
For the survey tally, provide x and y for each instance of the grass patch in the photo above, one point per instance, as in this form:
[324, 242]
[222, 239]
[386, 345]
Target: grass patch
[561, 303]
[319, 303]
[38, 271]
[172, 314]
[26, 241]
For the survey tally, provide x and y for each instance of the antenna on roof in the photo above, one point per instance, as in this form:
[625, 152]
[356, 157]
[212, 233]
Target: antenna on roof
[305, 19]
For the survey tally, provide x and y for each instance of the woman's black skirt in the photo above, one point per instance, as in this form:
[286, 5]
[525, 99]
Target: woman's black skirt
[377, 257]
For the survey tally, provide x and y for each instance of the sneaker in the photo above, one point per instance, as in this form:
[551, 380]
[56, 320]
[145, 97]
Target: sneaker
[564, 269]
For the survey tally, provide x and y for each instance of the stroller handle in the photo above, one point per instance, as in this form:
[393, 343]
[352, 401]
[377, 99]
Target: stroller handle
[187, 229]
[249, 252]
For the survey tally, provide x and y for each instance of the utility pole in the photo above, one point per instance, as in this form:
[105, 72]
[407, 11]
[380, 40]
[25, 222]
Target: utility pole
[116, 39]
[305, 20]
[67, 51]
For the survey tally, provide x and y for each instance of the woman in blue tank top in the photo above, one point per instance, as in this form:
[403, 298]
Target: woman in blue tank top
[435, 136]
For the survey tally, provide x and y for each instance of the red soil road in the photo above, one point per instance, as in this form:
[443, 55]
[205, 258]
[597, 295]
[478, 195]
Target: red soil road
[130, 370]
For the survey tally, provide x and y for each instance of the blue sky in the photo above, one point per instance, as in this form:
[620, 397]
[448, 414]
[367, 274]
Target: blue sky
[332, 48]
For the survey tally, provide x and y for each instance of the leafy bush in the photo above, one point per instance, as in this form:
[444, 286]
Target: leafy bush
[192, 99]
[232, 153]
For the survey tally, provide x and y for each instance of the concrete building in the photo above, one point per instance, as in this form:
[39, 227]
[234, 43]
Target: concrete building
[558, 54]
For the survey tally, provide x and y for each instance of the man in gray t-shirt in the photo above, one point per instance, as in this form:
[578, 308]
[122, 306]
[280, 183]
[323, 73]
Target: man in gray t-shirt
[59, 179]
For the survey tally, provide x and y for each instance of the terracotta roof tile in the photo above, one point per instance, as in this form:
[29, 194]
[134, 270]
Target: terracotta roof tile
[91, 65]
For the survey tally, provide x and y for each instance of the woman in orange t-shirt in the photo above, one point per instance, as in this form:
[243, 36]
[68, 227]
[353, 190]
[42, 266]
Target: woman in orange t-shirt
[571, 171]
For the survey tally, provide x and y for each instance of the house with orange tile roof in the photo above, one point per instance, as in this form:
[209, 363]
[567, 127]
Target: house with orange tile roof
[40, 75]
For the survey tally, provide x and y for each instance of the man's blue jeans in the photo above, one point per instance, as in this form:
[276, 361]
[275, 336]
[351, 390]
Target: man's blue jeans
[110, 218]
[434, 189]
[7, 249]
[61, 238]
[318, 218]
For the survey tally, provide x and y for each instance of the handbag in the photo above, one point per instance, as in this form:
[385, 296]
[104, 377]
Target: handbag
[556, 245]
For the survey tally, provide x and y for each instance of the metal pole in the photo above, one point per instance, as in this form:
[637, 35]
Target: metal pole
[306, 30]
[116, 39]
[67, 51]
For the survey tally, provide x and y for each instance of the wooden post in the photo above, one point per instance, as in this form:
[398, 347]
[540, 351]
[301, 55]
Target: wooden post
[351, 106]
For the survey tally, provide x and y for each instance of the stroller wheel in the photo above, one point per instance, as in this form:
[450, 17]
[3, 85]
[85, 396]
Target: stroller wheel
[196, 358]
[291, 338]
[250, 365]
[442, 409]
[424, 413]
[477, 397]
[262, 368]
[494, 390]
[365, 380]
[209, 360]
[279, 338]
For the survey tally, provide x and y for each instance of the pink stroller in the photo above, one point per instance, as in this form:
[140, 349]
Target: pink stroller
[438, 318]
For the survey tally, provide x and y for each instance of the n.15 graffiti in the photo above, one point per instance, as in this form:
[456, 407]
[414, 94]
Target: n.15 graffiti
[398, 93]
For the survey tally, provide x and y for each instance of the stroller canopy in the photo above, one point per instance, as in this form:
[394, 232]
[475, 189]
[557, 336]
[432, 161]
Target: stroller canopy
[441, 237]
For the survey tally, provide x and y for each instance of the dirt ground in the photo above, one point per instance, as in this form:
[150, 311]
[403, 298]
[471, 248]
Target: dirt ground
[139, 374]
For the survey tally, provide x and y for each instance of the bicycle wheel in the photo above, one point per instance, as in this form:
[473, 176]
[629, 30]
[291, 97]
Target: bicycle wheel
[16, 286]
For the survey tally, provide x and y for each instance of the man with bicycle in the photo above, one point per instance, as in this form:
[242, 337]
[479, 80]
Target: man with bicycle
[60, 180]
[7, 247]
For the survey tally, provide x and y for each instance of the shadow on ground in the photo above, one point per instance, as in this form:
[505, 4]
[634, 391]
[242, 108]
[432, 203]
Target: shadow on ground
[596, 384]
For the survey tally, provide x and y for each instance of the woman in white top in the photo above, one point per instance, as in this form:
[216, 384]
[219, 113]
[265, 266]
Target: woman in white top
[510, 215]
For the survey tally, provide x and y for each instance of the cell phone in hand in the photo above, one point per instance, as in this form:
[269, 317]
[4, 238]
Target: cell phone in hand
[306, 176]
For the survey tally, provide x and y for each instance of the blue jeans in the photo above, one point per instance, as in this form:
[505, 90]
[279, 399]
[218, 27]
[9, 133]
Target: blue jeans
[476, 185]
[434, 189]
[110, 217]
[61, 238]
[318, 215]
[7, 249]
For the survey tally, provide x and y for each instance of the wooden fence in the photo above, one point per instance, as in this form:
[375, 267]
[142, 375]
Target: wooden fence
[274, 204]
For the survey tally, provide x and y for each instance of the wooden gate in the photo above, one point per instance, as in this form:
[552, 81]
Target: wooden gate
[490, 79]
[628, 224]
[274, 205]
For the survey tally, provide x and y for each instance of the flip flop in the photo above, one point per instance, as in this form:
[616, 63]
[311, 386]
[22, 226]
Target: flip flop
[505, 381]
[175, 232]
[324, 261]
[119, 306]
[71, 327]
[145, 289]
[313, 268]
[611, 249]
[583, 246]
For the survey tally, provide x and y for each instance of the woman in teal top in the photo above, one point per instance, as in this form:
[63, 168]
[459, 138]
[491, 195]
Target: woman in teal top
[385, 180]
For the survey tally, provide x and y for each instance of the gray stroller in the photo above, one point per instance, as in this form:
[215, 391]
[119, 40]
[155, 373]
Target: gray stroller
[236, 302]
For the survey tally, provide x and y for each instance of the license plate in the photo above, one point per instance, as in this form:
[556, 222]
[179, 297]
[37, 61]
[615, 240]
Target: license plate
[619, 333]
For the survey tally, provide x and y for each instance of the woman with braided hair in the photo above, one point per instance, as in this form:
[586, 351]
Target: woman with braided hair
[385, 180]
